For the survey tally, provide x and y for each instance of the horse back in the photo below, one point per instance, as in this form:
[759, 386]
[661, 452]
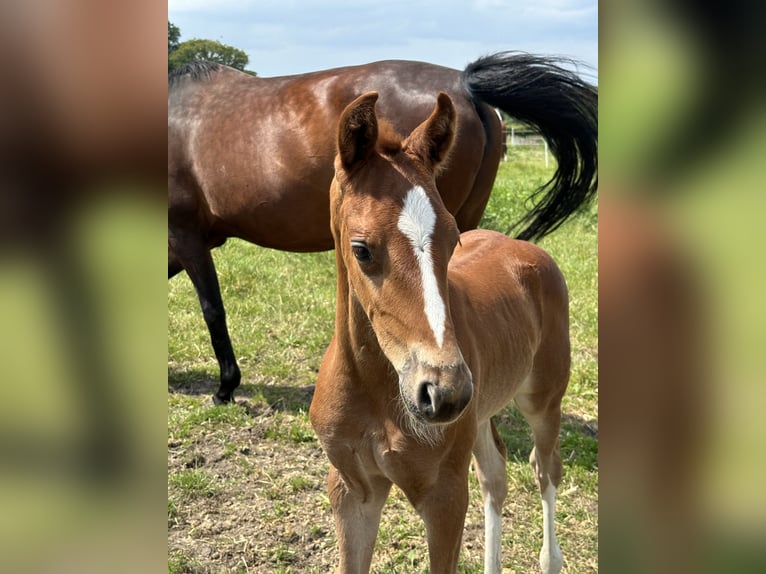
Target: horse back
[256, 154]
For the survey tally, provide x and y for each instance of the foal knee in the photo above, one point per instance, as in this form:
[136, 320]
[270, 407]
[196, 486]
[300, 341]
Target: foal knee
[547, 468]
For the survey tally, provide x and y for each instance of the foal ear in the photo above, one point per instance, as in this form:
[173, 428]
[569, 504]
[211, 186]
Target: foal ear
[432, 139]
[358, 129]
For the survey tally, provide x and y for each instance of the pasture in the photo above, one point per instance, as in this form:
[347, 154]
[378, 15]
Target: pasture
[246, 482]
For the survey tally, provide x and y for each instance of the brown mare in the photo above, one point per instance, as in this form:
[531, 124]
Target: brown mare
[435, 333]
[253, 157]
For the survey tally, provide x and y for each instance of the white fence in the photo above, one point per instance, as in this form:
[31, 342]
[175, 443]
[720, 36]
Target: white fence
[525, 138]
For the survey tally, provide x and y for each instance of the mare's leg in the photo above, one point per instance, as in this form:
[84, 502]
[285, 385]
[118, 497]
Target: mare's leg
[546, 463]
[174, 265]
[196, 259]
[356, 511]
[490, 454]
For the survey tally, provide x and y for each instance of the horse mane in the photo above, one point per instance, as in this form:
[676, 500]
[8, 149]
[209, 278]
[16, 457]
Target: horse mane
[197, 70]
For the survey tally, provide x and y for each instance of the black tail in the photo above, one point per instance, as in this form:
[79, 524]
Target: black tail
[564, 108]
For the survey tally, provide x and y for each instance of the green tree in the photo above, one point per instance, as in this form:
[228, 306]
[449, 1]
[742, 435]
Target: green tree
[211, 50]
[174, 37]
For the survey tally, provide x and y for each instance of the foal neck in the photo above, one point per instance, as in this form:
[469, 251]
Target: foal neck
[353, 331]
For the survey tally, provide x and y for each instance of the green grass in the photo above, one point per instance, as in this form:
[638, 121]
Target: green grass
[262, 455]
[279, 308]
[194, 482]
[185, 419]
[180, 563]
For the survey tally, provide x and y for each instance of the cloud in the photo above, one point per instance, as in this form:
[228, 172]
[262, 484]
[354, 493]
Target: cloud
[183, 6]
[285, 37]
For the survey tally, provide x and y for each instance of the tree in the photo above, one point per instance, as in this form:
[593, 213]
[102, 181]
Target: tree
[211, 50]
[174, 36]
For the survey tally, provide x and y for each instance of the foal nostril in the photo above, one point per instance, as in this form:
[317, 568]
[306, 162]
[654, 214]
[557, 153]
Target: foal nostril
[428, 399]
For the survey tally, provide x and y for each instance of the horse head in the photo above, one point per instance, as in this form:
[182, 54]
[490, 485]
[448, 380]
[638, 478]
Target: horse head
[394, 239]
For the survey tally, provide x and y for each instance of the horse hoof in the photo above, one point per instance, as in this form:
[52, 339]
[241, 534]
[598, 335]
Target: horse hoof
[222, 401]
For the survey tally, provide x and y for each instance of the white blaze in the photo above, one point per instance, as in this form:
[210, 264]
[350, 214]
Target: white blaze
[417, 221]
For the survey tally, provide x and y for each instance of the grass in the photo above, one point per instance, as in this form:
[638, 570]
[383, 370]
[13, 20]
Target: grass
[285, 303]
[246, 482]
[193, 482]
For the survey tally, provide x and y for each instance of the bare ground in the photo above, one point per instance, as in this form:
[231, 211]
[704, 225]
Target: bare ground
[247, 493]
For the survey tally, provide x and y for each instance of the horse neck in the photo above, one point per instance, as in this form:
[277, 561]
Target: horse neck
[354, 337]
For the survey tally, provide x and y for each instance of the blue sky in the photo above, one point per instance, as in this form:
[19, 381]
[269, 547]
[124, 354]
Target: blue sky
[289, 36]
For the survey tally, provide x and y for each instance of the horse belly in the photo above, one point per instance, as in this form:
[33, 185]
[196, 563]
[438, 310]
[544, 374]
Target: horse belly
[297, 221]
[506, 361]
[271, 203]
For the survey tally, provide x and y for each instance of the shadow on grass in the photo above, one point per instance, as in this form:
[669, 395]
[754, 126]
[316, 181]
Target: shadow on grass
[192, 381]
[280, 398]
[579, 438]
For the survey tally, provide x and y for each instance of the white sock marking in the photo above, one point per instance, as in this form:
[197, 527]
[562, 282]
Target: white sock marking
[417, 221]
[551, 560]
[493, 526]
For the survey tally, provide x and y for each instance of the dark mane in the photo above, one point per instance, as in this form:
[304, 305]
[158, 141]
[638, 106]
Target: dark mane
[198, 70]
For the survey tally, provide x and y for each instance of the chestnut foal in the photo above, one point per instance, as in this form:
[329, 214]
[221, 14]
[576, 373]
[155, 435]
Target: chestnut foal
[435, 332]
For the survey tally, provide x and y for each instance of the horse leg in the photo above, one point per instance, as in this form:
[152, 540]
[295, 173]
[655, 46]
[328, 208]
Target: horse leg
[546, 463]
[443, 510]
[174, 264]
[490, 455]
[196, 259]
[356, 513]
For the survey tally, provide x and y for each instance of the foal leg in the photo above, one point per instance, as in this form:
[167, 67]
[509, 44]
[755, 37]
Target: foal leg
[546, 463]
[196, 259]
[443, 510]
[490, 455]
[356, 510]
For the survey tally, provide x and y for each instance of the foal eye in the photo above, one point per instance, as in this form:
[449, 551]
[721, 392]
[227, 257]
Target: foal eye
[361, 252]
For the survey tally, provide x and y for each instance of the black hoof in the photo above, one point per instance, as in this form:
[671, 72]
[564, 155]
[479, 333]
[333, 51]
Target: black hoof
[223, 400]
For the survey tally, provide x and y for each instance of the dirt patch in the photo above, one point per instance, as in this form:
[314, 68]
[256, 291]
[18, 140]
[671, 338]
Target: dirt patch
[247, 493]
[241, 501]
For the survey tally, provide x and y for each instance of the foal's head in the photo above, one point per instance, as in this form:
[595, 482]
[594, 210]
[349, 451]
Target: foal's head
[394, 237]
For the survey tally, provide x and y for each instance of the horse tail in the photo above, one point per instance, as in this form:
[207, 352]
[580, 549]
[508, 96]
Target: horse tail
[564, 109]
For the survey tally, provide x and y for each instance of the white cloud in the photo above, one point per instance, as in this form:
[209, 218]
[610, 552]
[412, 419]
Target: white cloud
[182, 6]
[287, 36]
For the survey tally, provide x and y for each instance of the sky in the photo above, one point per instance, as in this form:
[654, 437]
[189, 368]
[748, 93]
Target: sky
[290, 37]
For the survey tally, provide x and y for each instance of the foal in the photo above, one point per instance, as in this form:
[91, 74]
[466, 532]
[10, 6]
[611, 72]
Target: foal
[435, 333]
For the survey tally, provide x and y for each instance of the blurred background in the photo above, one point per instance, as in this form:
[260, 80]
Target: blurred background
[83, 288]
[682, 320]
[83, 315]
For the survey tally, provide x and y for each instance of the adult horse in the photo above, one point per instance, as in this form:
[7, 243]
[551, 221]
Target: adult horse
[253, 157]
[435, 333]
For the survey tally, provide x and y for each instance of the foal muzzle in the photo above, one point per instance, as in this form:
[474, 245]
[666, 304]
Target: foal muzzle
[436, 394]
